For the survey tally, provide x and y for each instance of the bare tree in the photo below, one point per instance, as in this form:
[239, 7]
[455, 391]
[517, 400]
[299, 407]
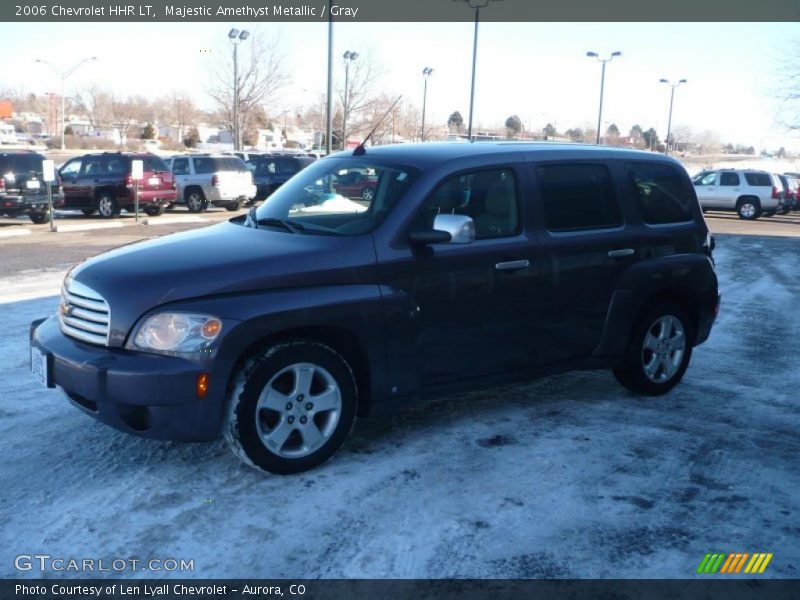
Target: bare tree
[261, 75]
[788, 88]
[178, 110]
[95, 104]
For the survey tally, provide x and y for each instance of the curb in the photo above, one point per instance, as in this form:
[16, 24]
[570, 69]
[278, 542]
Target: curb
[87, 227]
[171, 220]
[14, 232]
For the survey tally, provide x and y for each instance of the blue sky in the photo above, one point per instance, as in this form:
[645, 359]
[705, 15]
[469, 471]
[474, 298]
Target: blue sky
[535, 70]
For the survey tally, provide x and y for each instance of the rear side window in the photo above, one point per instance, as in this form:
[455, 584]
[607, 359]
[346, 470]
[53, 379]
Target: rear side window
[578, 197]
[758, 179]
[663, 193]
[729, 179]
[116, 165]
[153, 164]
[203, 165]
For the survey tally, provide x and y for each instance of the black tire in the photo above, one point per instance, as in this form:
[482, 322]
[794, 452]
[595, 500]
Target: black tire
[233, 206]
[245, 423]
[107, 206]
[632, 373]
[784, 210]
[39, 217]
[88, 211]
[748, 209]
[195, 200]
[155, 211]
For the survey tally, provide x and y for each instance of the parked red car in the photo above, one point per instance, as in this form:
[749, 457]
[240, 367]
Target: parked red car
[356, 184]
[103, 183]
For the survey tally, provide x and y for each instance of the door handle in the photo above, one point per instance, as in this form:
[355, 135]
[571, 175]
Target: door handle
[512, 265]
[623, 252]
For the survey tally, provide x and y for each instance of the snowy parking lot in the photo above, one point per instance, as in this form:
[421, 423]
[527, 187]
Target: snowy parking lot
[568, 476]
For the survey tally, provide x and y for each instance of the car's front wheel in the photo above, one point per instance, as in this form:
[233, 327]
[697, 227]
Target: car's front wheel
[659, 353]
[291, 407]
[196, 201]
[107, 206]
[368, 193]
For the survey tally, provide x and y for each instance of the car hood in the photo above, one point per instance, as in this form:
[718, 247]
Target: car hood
[227, 258]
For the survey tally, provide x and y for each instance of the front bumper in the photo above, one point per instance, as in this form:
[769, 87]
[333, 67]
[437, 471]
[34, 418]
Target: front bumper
[143, 394]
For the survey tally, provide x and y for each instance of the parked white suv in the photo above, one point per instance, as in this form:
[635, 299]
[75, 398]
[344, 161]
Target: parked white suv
[204, 179]
[749, 193]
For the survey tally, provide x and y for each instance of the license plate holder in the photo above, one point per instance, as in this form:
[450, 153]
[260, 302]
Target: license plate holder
[154, 181]
[32, 184]
[41, 366]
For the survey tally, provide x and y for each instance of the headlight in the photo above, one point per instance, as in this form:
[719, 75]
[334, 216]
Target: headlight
[177, 332]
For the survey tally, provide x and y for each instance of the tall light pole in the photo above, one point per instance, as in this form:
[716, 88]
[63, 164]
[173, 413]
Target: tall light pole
[329, 100]
[671, 99]
[348, 57]
[63, 76]
[236, 37]
[603, 61]
[477, 5]
[426, 72]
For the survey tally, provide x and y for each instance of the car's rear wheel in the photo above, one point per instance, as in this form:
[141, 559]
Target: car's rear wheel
[39, 217]
[659, 352]
[195, 201]
[368, 193]
[748, 208]
[88, 211]
[107, 206]
[291, 407]
[155, 211]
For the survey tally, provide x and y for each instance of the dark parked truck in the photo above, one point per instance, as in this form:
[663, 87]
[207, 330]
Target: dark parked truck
[469, 264]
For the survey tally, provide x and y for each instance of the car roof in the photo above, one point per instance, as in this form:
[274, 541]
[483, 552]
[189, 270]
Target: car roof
[429, 154]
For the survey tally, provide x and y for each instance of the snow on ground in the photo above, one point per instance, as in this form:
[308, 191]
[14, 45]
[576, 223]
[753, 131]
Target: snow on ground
[568, 476]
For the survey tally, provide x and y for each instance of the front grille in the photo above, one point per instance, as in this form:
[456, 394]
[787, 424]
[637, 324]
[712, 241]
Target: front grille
[84, 314]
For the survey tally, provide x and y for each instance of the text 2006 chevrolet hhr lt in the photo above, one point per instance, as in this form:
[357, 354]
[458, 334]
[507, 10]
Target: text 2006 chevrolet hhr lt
[467, 263]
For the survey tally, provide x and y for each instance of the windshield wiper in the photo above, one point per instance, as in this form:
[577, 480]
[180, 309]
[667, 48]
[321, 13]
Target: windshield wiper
[289, 226]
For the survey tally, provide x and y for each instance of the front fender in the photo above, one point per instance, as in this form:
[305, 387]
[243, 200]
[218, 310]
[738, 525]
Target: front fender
[355, 310]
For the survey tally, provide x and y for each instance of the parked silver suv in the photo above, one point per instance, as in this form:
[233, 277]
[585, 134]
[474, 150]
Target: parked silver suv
[749, 193]
[204, 179]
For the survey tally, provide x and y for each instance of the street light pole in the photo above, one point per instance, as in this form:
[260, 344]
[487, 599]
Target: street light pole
[603, 61]
[63, 76]
[671, 100]
[477, 5]
[349, 57]
[329, 104]
[236, 37]
[426, 72]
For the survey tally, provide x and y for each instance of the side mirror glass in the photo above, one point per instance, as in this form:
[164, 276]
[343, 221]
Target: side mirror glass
[460, 227]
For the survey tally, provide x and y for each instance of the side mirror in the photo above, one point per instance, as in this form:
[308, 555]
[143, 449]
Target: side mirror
[460, 227]
[447, 229]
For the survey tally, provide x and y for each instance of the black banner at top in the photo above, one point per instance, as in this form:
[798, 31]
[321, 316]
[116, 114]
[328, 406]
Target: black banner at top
[287, 11]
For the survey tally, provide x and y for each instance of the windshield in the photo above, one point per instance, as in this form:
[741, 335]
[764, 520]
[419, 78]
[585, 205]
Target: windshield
[335, 197]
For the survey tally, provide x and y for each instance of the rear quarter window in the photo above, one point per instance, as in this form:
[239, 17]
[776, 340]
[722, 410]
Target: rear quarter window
[578, 197]
[662, 192]
[758, 179]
